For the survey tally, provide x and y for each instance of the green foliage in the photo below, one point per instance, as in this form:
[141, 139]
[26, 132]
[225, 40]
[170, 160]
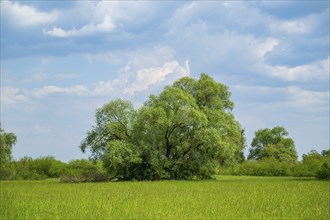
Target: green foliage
[119, 160]
[40, 168]
[185, 132]
[227, 198]
[113, 122]
[324, 172]
[7, 141]
[264, 167]
[83, 171]
[7, 172]
[25, 170]
[315, 164]
[271, 143]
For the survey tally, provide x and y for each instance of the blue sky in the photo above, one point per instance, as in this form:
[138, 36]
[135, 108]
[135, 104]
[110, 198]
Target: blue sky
[60, 60]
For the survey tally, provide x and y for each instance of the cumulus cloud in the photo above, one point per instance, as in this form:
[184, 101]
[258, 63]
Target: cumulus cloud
[24, 15]
[318, 70]
[290, 27]
[151, 76]
[138, 70]
[292, 96]
[262, 47]
[105, 16]
[12, 95]
[129, 83]
[107, 25]
[305, 98]
[104, 88]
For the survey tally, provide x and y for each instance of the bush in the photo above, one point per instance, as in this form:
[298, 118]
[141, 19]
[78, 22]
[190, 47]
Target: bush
[24, 170]
[324, 172]
[83, 171]
[265, 167]
[48, 166]
[37, 169]
[6, 173]
[314, 164]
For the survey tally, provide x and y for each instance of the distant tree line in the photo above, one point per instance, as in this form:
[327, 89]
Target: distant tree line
[313, 164]
[274, 154]
[188, 131]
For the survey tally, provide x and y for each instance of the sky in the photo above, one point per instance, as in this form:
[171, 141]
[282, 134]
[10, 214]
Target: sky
[61, 60]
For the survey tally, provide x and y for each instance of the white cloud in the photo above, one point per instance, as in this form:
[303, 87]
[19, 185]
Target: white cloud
[140, 69]
[24, 15]
[104, 17]
[285, 97]
[48, 90]
[309, 24]
[290, 27]
[318, 70]
[123, 84]
[107, 25]
[136, 64]
[266, 46]
[305, 98]
[141, 58]
[11, 95]
[150, 76]
[105, 88]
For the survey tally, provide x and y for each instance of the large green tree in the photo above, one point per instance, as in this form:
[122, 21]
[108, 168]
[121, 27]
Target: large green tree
[273, 143]
[7, 141]
[186, 131]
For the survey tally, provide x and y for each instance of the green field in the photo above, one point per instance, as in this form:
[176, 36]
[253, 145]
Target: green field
[225, 198]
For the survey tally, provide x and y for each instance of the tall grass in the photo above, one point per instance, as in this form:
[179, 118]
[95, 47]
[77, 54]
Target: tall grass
[225, 198]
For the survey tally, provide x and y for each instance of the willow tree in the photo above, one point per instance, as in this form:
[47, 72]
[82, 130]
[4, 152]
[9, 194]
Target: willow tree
[185, 132]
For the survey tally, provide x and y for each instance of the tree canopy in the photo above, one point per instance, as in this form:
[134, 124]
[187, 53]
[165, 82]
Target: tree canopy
[185, 132]
[272, 143]
[7, 141]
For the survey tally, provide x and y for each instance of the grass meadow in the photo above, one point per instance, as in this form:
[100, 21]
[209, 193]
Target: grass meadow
[225, 198]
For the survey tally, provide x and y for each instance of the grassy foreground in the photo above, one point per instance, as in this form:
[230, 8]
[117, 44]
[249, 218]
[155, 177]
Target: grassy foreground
[225, 198]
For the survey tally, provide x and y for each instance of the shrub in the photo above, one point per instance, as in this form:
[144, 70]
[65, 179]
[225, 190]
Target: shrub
[324, 172]
[6, 173]
[83, 171]
[314, 164]
[48, 166]
[37, 169]
[265, 167]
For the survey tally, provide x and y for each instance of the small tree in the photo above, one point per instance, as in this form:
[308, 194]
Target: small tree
[315, 164]
[7, 141]
[272, 143]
